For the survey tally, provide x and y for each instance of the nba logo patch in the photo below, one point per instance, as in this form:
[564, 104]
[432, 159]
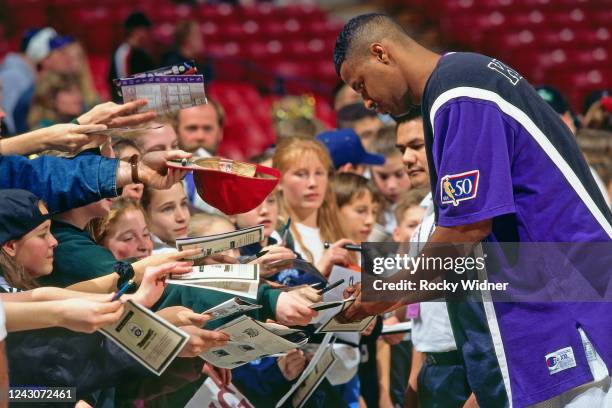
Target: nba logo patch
[455, 188]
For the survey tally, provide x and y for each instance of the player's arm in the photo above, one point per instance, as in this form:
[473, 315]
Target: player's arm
[467, 235]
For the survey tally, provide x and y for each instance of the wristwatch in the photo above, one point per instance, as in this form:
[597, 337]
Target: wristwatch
[125, 272]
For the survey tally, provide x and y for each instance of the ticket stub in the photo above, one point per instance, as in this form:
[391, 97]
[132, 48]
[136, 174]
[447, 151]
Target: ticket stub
[166, 93]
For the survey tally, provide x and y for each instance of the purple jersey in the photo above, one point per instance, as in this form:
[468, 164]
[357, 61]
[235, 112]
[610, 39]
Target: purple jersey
[498, 151]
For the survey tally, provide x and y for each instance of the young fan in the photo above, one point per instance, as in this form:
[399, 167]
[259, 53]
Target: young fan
[358, 203]
[167, 215]
[391, 179]
[124, 230]
[307, 197]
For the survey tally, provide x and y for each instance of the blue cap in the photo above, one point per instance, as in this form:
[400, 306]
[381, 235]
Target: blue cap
[345, 147]
[19, 214]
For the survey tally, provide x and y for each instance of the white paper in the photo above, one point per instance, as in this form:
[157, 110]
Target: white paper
[251, 340]
[309, 368]
[235, 279]
[231, 307]
[403, 327]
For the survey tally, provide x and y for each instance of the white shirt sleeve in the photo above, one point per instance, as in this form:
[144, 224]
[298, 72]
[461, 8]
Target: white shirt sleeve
[2, 323]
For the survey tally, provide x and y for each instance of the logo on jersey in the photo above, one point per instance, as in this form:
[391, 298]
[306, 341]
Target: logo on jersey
[560, 360]
[505, 70]
[455, 188]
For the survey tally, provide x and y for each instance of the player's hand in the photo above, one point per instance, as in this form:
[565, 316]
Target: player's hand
[359, 310]
[201, 340]
[292, 364]
[293, 310]
[114, 115]
[87, 316]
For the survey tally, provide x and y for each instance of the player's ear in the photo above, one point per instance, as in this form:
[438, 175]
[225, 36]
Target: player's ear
[380, 52]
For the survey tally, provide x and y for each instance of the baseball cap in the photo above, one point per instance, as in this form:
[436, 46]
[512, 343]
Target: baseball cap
[345, 147]
[554, 98]
[19, 214]
[231, 186]
[39, 43]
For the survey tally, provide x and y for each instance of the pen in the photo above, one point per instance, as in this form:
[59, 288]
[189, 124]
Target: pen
[330, 287]
[124, 288]
[349, 247]
[286, 231]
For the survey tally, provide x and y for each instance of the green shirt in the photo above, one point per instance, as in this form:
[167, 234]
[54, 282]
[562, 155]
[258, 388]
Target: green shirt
[77, 257]
[200, 300]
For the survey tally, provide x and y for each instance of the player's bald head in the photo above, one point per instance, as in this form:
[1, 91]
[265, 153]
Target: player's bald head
[361, 31]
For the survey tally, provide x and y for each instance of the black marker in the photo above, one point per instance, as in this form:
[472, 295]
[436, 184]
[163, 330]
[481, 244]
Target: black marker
[330, 287]
[349, 247]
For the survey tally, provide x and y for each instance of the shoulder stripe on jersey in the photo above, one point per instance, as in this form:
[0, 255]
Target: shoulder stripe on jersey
[523, 119]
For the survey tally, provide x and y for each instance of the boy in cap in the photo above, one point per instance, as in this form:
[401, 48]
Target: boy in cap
[42, 50]
[347, 151]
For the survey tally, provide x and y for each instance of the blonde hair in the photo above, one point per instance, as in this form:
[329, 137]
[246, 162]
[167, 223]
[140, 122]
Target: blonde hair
[201, 223]
[287, 154]
[101, 228]
[43, 102]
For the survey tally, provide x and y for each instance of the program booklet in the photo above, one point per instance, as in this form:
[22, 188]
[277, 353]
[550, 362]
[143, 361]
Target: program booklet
[251, 339]
[231, 307]
[214, 244]
[235, 279]
[151, 340]
[334, 326]
[313, 374]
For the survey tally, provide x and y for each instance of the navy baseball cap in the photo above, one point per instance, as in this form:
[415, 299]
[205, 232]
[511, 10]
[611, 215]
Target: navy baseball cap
[345, 147]
[19, 214]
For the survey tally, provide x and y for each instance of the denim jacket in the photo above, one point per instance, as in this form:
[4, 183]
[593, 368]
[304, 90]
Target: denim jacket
[61, 183]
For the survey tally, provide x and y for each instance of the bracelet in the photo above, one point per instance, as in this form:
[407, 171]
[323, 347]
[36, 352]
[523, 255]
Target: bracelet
[134, 164]
[125, 272]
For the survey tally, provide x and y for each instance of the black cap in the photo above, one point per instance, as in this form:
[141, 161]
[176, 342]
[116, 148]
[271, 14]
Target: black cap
[553, 97]
[135, 20]
[19, 214]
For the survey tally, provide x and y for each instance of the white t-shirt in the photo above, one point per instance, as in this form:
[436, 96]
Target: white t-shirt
[311, 237]
[431, 331]
[2, 323]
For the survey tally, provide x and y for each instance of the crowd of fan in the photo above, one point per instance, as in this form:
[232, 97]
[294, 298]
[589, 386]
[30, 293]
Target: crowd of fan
[71, 217]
